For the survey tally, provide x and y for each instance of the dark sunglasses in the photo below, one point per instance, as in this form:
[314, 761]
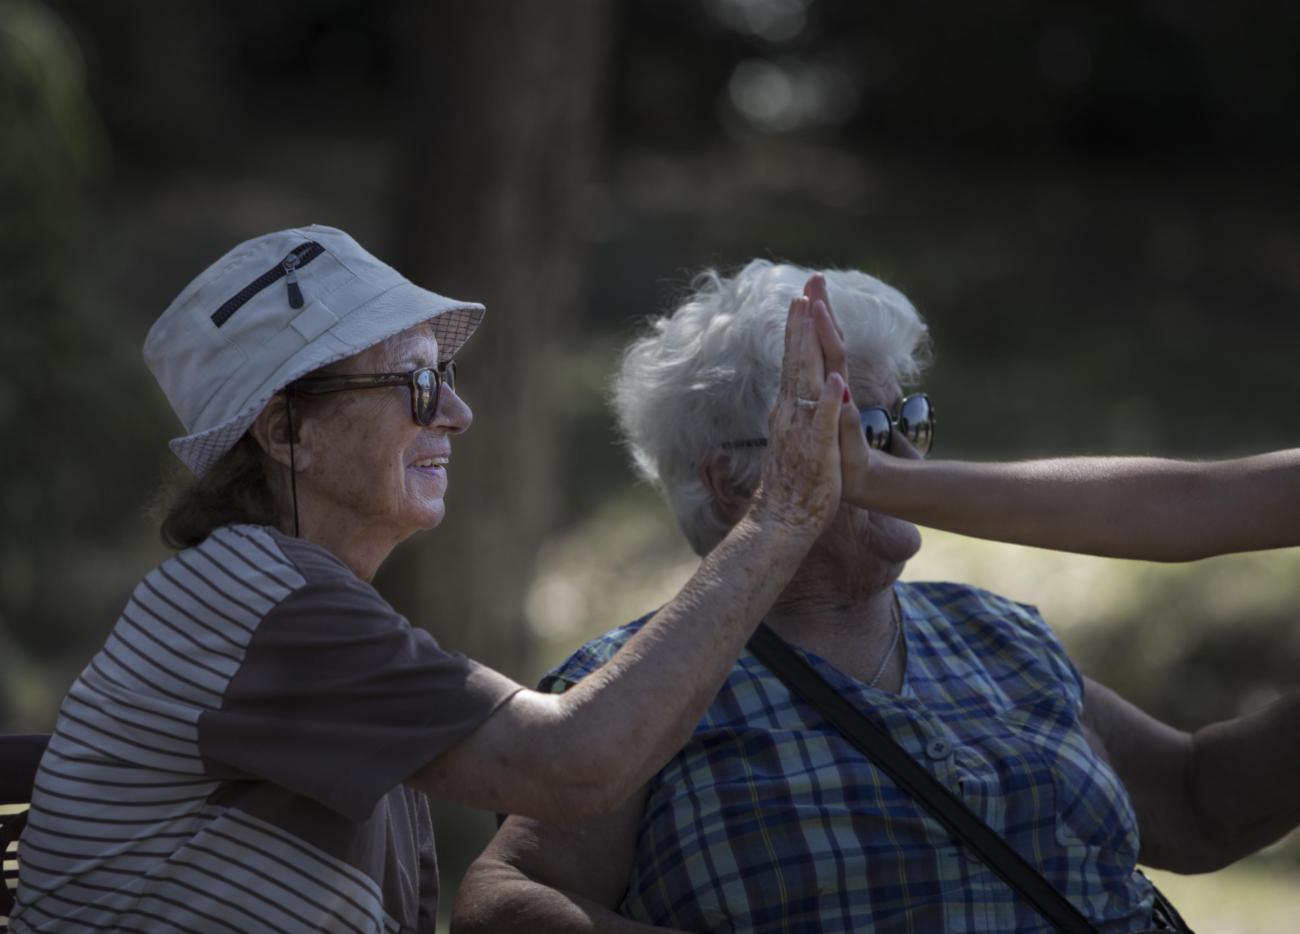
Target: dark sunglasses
[915, 420]
[425, 384]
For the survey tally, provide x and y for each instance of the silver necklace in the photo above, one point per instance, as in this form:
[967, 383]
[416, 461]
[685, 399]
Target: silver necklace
[893, 644]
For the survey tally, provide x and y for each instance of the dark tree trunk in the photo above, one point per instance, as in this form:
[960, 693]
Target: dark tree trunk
[499, 121]
[500, 117]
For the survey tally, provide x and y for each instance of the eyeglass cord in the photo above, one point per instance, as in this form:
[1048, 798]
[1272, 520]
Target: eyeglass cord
[293, 467]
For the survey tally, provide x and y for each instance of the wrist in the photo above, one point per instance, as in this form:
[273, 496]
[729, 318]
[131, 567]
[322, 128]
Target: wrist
[885, 487]
[779, 525]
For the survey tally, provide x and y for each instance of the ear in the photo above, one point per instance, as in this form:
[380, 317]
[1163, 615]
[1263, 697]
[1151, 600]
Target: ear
[732, 500]
[271, 431]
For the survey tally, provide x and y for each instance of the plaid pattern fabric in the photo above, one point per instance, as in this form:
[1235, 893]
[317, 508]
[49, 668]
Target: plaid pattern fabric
[770, 821]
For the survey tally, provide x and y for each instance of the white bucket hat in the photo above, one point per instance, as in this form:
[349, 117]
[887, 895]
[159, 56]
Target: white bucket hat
[271, 310]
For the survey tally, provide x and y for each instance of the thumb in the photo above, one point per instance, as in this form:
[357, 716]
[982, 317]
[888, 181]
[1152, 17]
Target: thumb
[828, 406]
[855, 457]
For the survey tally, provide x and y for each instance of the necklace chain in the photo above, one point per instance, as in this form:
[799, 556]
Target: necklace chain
[893, 643]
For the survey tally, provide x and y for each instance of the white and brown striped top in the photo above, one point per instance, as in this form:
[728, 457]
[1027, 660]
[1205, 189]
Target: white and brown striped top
[233, 758]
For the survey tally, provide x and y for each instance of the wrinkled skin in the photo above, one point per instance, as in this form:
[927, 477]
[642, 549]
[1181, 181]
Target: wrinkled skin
[364, 483]
[800, 480]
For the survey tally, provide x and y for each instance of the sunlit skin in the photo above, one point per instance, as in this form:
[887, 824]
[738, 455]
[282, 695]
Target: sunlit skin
[368, 475]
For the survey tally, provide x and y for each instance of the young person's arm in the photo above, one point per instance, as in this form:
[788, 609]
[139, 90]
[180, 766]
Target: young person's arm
[1208, 798]
[1143, 508]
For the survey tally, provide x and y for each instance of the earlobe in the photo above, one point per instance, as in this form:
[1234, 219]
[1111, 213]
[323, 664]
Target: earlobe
[731, 499]
[271, 431]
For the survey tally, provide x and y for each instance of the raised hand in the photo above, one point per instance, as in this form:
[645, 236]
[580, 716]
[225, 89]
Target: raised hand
[857, 459]
[800, 482]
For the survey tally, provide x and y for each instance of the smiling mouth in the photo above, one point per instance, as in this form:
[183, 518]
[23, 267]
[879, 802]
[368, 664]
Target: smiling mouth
[431, 462]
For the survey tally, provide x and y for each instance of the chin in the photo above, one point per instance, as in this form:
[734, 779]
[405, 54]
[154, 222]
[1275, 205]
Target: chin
[876, 536]
[428, 516]
[898, 545]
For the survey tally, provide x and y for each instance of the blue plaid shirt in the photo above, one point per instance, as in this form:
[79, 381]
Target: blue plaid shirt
[769, 820]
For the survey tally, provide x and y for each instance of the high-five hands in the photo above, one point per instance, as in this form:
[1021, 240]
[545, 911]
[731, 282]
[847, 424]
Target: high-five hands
[813, 420]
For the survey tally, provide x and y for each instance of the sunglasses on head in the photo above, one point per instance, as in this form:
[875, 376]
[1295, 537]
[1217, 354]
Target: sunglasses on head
[425, 385]
[915, 421]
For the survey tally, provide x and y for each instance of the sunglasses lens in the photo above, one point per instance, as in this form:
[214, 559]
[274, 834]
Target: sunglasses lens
[424, 396]
[916, 421]
[448, 371]
[875, 425]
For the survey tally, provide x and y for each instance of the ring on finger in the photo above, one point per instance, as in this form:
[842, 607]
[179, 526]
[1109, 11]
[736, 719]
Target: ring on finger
[806, 403]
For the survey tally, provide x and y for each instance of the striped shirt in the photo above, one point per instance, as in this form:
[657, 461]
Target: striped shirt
[232, 759]
[768, 820]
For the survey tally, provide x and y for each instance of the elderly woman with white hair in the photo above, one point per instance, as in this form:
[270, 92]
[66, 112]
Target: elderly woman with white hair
[250, 749]
[886, 756]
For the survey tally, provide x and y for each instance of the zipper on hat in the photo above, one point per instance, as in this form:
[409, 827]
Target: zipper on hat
[287, 269]
[290, 264]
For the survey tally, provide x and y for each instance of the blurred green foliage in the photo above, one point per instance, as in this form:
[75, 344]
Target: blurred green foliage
[1094, 208]
[69, 386]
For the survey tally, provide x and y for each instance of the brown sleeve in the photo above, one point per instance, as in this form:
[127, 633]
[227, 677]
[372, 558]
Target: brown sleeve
[340, 699]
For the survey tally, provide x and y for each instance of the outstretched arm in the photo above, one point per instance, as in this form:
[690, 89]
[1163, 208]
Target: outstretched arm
[1205, 799]
[1122, 507]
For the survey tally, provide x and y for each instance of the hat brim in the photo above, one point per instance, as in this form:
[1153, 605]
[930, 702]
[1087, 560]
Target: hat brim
[391, 312]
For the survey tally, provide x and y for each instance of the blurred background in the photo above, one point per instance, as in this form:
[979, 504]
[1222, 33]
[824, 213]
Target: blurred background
[1095, 206]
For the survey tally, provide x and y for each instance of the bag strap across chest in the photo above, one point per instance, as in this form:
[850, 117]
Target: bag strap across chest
[949, 810]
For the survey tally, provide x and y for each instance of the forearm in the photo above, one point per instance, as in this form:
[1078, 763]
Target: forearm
[632, 715]
[497, 897]
[566, 758]
[1143, 508]
[1242, 780]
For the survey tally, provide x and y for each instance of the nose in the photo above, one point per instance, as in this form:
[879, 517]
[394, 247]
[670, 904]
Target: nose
[454, 414]
[900, 446]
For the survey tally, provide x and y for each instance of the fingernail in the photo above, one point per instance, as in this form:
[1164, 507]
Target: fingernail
[846, 395]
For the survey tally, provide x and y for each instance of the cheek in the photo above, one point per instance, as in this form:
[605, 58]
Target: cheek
[365, 456]
[356, 471]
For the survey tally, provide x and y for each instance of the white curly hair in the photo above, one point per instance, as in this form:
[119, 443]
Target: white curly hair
[709, 371]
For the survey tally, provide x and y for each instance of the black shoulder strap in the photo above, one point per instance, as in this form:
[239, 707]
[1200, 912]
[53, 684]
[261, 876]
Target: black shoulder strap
[949, 810]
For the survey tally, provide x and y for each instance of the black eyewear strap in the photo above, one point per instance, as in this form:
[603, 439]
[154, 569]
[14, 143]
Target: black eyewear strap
[915, 420]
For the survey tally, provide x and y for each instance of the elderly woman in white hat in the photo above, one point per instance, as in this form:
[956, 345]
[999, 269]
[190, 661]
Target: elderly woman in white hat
[248, 750]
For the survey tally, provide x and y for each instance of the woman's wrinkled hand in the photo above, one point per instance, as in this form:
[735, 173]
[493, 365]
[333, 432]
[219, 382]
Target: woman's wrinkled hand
[800, 485]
